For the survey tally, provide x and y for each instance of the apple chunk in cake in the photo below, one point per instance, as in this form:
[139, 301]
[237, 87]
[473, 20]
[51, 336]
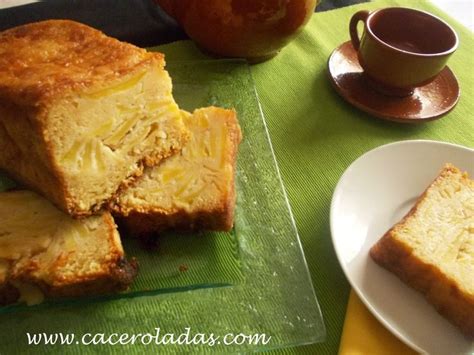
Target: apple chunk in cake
[46, 253]
[82, 113]
[194, 189]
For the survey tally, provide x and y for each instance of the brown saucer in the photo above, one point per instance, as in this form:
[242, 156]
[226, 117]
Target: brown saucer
[427, 103]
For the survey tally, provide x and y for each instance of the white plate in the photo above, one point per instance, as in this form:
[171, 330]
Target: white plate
[373, 194]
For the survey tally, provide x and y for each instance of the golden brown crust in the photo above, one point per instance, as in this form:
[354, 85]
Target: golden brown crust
[45, 61]
[46, 68]
[441, 290]
[120, 275]
[21, 142]
[218, 215]
[64, 276]
[147, 223]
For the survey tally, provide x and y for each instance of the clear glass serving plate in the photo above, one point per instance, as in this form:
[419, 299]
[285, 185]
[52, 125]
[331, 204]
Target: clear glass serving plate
[269, 289]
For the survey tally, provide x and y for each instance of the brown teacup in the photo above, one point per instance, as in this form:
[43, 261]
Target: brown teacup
[401, 48]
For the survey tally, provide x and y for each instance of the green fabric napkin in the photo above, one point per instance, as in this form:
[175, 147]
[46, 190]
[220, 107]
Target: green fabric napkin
[316, 136]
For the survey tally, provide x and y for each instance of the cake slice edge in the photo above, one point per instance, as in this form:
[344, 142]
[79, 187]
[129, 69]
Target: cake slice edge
[447, 294]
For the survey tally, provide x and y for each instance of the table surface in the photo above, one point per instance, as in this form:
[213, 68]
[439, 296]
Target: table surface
[142, 23]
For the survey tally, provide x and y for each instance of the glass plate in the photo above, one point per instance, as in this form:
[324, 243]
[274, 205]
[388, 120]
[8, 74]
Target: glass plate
[275, 296]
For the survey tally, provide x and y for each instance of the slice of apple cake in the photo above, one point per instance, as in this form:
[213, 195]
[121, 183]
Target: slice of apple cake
[82, 113]
[432, 247]
[192, 190]
[46, 253]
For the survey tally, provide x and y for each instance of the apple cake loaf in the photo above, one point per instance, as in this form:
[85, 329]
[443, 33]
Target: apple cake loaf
[46, 253]
[81, 113]
[192, 190]
[432, 247]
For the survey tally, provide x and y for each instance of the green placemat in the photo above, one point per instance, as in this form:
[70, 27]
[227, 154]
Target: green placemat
[316, 135]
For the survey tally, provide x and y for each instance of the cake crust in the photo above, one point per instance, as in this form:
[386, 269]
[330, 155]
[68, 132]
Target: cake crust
[447, 286]
[44, 61]
[145, 213]
[55, 79]
[55, 262]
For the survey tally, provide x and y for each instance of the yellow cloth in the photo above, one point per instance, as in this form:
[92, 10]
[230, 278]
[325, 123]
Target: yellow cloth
[364, 335]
